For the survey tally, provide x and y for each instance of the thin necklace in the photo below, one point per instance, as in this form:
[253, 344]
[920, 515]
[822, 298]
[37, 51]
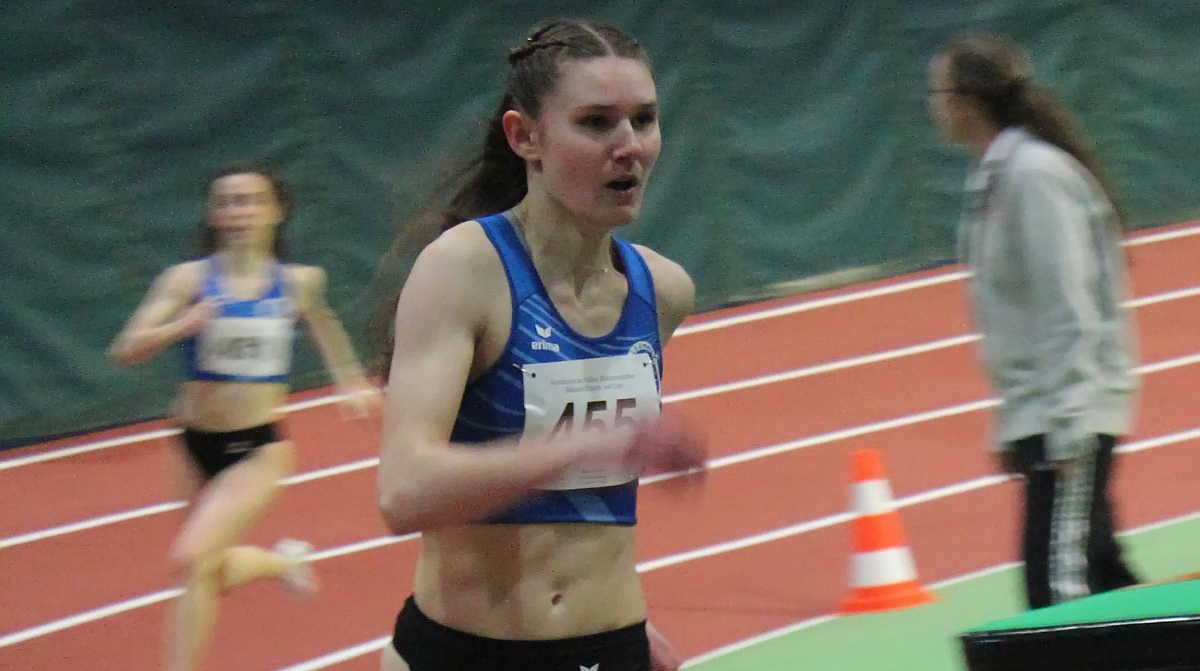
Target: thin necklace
[518, 224]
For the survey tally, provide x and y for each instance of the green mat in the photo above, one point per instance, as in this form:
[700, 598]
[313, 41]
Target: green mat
[925, 637]
[1153, 601]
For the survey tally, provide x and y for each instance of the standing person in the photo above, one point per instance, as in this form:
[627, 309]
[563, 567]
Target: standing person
[234, 312]
[525, 368]
[1042, 237]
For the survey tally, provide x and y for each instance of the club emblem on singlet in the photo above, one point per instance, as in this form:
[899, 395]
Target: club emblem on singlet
[643, 347]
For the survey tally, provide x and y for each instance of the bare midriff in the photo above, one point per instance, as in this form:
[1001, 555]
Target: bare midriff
[530, 581]
[216, 406]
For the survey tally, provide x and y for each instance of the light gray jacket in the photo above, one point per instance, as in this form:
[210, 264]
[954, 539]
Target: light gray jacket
[1048, 281]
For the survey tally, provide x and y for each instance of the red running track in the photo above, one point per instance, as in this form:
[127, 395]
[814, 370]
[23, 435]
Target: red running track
[812, 420]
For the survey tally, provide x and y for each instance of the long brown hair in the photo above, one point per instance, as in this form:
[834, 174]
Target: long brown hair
[494, 178]
[997, 72]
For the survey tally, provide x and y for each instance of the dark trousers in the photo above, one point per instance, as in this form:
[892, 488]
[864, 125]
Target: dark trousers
[1068, 543]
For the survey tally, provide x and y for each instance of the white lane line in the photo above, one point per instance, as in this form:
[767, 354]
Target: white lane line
[942, 584]
[340, 656]
[815, 525]
[1151, 238]
[88, 616]
[720, 462]
[369, 647]
[168, 506]
[1165, 297]
[823, 619]
[947, 491]
[890, 289]
[830, 367]
[372, 462]
[325, 400]
[685, 330]
[362, 546]
[341, 469]
[131, 604]
[92, 523]
[833, 436]
[84, 448]
[719, 323]
[805, 306]
[1168, 364]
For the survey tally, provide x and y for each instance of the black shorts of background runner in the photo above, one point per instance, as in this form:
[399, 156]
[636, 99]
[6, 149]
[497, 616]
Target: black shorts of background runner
[213, 452]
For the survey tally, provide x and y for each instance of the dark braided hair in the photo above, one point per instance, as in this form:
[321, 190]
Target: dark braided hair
[494, 178]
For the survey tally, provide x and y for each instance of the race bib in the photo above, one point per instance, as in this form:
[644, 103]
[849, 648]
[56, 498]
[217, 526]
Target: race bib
[599, 394]
[246, 346]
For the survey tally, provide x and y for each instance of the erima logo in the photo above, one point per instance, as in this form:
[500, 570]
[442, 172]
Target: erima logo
[594, 667]
[543, 332]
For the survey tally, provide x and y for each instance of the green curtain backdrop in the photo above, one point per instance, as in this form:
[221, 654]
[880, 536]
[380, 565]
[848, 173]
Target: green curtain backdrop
[797, 145]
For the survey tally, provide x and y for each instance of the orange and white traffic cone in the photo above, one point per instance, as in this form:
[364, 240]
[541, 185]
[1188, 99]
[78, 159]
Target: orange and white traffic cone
[882, 573]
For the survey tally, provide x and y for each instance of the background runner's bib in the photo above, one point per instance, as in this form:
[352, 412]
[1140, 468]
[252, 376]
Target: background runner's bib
[247, 340]
[246, 347]
[600, 394]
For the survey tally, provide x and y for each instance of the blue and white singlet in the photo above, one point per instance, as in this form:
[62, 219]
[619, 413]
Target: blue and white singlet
[246, 341]
[551, 379]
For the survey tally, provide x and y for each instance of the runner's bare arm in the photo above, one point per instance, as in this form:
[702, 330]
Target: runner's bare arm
[331, 339]
[164, 316]
[674, 291]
